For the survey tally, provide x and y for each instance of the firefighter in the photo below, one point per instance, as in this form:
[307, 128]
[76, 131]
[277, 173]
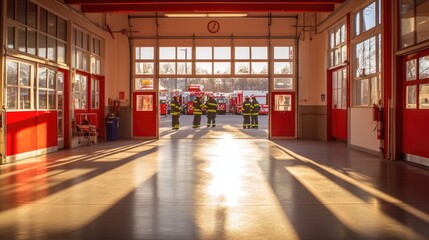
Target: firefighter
[255, 107]
[211, 105]
[197, 106]
[246, 111]
[175, 108]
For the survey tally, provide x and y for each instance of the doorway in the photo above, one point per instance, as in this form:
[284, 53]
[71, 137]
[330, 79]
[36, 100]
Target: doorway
[337, 104]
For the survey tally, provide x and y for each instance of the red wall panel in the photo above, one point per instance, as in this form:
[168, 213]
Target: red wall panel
[21, 132]
[339, 124]
[29, 131]
[47, 126]
[415, 132]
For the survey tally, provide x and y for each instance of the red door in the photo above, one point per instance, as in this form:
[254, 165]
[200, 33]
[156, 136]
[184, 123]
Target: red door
[282, 115]
[337, 103]
[145, 115]
[415, 105]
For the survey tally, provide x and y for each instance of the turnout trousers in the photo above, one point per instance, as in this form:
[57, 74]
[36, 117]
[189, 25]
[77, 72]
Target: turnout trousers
[255, 122]
[197, 121]
[211, 119]
[175, 121]
[246, 121]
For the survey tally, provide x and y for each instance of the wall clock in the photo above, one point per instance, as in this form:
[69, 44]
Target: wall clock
[213, 26]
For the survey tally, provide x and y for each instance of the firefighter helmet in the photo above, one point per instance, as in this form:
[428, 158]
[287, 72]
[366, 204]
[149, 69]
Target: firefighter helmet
[252, 96]
[175, 97]
[246, 97]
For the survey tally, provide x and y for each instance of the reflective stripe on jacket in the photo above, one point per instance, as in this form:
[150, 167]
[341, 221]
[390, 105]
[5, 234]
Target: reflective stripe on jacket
[175, 108]
[255, 107]
[211, 105]
[196, 104]
[246, 108]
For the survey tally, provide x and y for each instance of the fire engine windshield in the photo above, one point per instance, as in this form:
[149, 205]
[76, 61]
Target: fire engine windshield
[221, 100]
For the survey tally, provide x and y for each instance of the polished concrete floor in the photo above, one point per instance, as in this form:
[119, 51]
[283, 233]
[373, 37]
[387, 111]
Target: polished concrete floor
[218, 187]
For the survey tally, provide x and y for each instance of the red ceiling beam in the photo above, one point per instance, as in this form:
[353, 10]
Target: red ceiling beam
[208, 8]
[107, 2]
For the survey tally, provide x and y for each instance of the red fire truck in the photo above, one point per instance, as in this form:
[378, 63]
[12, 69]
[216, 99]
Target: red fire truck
[221, 103]
[190, 96]
[237, 99]
[163, 93]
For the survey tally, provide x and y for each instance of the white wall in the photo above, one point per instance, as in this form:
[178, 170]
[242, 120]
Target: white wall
[361, 129]
[117, 59]
[313, 66]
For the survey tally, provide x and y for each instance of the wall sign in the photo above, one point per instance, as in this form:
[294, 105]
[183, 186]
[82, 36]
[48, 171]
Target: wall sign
[144, 103]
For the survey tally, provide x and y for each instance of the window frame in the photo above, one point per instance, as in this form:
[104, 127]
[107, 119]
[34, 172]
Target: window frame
[53, 48]
[367, 87]
[18, 86]
[334, 47]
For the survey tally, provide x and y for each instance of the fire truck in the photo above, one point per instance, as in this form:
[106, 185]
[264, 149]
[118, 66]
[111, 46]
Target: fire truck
[163, 93]
[237, 99]
[221, 103]
[188, 97]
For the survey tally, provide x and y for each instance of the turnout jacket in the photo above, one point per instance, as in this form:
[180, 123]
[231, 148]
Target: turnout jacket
[211, 105]
[175, 107]
[246, 108]
[255, 107]
[197, 105]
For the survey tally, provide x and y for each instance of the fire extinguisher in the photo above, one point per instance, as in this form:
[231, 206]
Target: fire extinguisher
[378, 117]
[116, 104]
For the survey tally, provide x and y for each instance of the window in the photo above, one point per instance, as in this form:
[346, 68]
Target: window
[18, 85]
[339, 89]
[95, 93]
[337, 45]
[96, 56]
[222, 68]
[144, 68]
[416, 83]
[10, 37]
[411, 97]
[283, 68]
[60, 101]
[255, 60]
[219, 68]
[367, 18]
[36, 31]
[424, 96]
[87, 54]
[366, 70]
[222, 53]
[414, 21]
[81, 51]
[47, 88]
[80, 92]
[204, 53]
[143, 84]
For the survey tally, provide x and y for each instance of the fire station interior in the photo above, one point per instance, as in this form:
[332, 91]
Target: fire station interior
[89, 149]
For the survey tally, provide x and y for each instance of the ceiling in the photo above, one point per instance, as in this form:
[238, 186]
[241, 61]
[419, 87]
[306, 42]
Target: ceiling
[195, 6]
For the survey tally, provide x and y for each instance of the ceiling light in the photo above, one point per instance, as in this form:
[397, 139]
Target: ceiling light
[189, 15]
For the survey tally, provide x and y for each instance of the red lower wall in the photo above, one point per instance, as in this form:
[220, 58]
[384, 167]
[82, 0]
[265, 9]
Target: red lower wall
[30, 130]
[415, 132]
[339, 124]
